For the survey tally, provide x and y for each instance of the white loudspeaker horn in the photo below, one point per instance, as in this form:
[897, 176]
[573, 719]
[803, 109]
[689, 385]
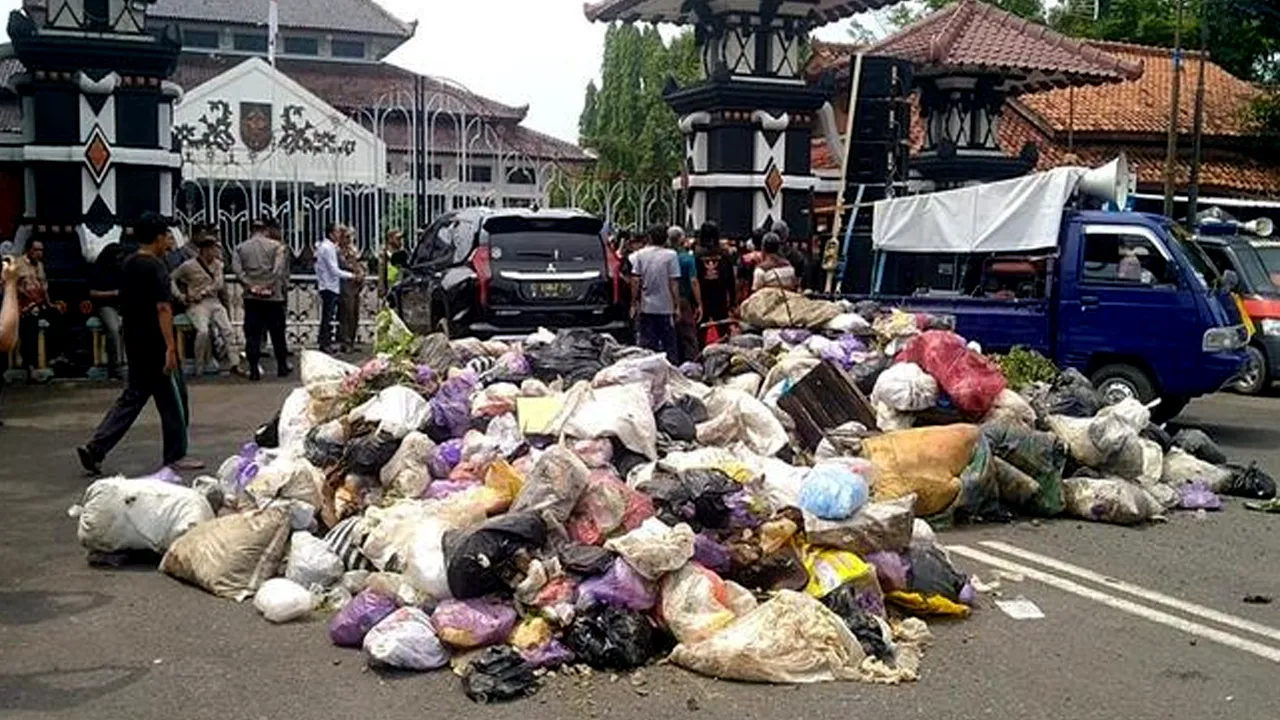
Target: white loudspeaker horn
[1111, 182]
[1262, 227]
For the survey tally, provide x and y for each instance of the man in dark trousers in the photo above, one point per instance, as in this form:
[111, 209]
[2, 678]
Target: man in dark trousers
[260, 263]
[153, 354]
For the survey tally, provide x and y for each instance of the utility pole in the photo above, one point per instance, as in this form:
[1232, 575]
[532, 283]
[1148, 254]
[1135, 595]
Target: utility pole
[1193, 189]
[1171, 151]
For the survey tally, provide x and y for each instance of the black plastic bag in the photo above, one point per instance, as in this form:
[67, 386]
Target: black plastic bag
[611, 638]
[866, 373]
[320, 446]
[1157, 435]
[484, 560]
[676, 424]
[698, 497]
[843, 601]
[625, 459]
[1071, 394]
[366, 455]
[1198, 443]
[575, 355]
[268, 434]
[696, 410]
[1249, 482]
[585, 560]
[497, 675]
[868, 310]
[932, 574]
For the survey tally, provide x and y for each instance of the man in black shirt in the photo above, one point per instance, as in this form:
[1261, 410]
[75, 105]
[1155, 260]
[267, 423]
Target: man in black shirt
[153, 354]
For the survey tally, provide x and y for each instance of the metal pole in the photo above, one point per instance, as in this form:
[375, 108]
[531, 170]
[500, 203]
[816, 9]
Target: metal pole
[1171, 151]
[1193, 189]
[419, 149]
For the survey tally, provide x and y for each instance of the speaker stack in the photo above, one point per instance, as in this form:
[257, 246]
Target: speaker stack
[878, 157]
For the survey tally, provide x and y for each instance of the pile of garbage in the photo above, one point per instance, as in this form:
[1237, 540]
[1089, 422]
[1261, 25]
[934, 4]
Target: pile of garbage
[510, 508]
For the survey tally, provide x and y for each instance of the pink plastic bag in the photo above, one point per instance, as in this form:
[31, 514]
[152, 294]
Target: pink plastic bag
[971, 381]
[473, 623]
[357, 618]
[595, 453]
[607, 507]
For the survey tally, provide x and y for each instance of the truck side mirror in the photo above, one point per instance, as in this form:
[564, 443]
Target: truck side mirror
[1230, 280]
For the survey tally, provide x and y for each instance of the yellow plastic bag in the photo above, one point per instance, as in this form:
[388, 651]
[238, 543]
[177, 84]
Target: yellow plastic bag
[531, 633]
[926, 461]
[922, 604]
[829, 569]
[505, 483]
[738, 472]
[537, 413]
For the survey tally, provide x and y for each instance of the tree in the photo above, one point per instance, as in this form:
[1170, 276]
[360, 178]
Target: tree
[587, 122]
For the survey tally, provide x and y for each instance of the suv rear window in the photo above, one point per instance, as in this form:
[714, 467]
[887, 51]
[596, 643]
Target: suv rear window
[550, 239]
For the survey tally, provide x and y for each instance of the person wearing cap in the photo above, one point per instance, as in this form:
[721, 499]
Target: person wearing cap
[200, 285]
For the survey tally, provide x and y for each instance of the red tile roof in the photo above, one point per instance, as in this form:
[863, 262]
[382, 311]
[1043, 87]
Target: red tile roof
[828, 56]
[972, 36]
[818, 12]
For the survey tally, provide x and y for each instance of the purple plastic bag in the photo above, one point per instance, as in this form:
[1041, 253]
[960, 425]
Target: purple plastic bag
[711, 554]
[744, 511]
[474, 623]
[441, 489]
[794, 336]
[691, 370]
[357, 618]
[836, 355]
[550, 656]
[621, 586]
[1198, 496]
[891, 569]
[851, 344]
[451, 406]
[445, 458]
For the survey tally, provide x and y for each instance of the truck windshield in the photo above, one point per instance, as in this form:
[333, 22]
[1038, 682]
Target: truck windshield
[1195, 255]
[1270, 254]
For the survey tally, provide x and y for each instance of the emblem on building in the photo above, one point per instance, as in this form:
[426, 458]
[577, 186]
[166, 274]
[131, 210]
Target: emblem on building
[255, 125]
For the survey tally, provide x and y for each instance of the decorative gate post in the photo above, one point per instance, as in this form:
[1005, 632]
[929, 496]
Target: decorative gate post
[97, 121]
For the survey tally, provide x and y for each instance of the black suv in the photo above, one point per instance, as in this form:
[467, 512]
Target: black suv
[495, 273]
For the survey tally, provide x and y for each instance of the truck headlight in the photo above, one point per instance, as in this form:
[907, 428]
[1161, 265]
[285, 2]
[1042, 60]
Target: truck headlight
[1225, 338]
[1270, 326]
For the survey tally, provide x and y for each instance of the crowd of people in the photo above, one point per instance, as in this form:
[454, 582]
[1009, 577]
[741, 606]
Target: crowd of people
[685, 290]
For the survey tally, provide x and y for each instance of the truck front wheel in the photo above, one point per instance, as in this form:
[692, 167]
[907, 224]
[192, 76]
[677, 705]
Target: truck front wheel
[1121, 382]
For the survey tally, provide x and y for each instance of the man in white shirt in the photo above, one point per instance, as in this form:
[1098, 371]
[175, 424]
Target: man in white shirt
[329, 277]
[655, 278]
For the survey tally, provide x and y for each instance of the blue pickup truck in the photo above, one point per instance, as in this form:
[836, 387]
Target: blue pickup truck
[1129, 299]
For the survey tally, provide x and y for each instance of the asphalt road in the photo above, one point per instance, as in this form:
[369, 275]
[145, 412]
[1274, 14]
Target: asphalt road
[134, 644]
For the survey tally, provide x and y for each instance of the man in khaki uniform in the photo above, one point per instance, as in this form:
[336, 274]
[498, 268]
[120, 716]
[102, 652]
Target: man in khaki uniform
[200, 284]
[261, 264]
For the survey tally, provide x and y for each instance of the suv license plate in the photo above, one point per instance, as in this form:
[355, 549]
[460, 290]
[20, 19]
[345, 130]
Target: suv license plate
[551, 290]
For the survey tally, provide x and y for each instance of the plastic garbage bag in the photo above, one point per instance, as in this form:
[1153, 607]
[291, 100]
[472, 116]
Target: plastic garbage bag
[405, 640]
[231, 556]
[1199, 444]
[1115, 426]
[1011, 407]
[1249, 482]
[832, 491]
[651, 370]
[294, 421]
[473, 623]
[1109, 500]
[445, 458]
[531, 633]
[790, 639]
[287, 478]
[873, 634]
[971, 381]
[118, 514]
[407, 474]
[880, 526]
[354, 621]
[676, 424]
[323, 376]
[611, 638]
[268, 434]
[1198, 496]
[655, 548]
[554, 485]
[281, 600]
[595, 454]
[549, 656]
[776, 308]
[311, 563]
[736, 417]
[905, 387]
[1071, 394]
[483, 560]
[621, 586]
[1181, 467]
[575, 355]
[367, 455]
[842, 441]
[710, 554]
[618, 411]
[831, 569]
[396, 410]
[695, 603]
[451, 408]
[892, 569]
[425, 566]
[1040, 455]
[606, 507]
[585, 560]
[499, 674]
[766, 558]
[325, 444]
[696, 496]
[926, 462]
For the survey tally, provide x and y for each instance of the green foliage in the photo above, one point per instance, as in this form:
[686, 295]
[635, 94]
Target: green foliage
[393, 338]
[1022, 367]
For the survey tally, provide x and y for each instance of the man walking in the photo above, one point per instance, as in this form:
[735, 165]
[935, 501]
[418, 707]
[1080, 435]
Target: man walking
[329, 277]
[200, 285]
[259, 264]
[153, 355]
[655, 278]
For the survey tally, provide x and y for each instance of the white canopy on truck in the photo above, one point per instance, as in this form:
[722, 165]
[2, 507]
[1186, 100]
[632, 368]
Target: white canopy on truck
[1009, 216]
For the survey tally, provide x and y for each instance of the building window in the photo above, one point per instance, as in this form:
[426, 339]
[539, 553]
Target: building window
[522, 176]
[200, 39]
[250, 42]
[347, 48]
[479, 174]
[301, 46]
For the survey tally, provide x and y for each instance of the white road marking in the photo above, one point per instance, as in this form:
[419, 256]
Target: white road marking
[1157, 616]
[1183, 606]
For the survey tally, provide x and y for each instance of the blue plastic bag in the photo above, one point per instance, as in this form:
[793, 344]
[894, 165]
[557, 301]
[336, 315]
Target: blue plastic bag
[833, 492]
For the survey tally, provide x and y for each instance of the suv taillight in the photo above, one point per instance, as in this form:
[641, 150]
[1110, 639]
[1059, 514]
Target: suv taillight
[615, 273]
[480, 262]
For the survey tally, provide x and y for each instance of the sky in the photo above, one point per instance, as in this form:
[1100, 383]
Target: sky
[540, 53]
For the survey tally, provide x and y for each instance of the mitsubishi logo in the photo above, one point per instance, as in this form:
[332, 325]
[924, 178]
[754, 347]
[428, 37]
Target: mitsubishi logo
[551, 267]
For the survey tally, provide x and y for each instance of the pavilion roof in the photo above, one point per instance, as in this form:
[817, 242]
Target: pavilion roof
[814, 12]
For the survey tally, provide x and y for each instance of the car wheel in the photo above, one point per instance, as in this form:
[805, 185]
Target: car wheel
[1121, 382]
[1253, 380]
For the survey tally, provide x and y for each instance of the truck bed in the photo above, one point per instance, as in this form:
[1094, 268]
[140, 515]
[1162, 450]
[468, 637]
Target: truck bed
[997, 325]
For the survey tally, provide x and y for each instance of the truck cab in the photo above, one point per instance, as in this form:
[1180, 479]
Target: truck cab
[1259, 296]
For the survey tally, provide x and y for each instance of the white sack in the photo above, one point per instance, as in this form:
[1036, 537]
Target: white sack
[119, 514]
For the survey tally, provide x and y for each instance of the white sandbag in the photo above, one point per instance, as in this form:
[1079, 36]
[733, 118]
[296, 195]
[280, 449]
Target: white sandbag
[651, 370]
[397, 410]
[287, 478]
[281, 601]
[311, 563]
[295, 422]
[737, 417]
[405, 640]
[1074, 432]
[1108, 500]
[1009, 405]
[655, 548]
[323, 375]
[426, 569]
[905, 387]
[407, 474]
[890, 420]
[118, 514]
[621, 411]
[1181, 467]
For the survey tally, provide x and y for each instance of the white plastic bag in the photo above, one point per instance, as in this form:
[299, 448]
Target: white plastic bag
[1181, 467]
[620, 411]
[655, 548]
[1117, 425]
[119, 514]
[1012, 406]
[397, 410]
[848, 323]
[311, 563]
[1108, 500]
[295, 422]
[287, 478]
[905, 387]
[426, 569]
[737, 417]
[407, 474]
[890, 420]
[281, 601]
[405, 640]
[690, 607]
[653, 371]
[323, 375]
